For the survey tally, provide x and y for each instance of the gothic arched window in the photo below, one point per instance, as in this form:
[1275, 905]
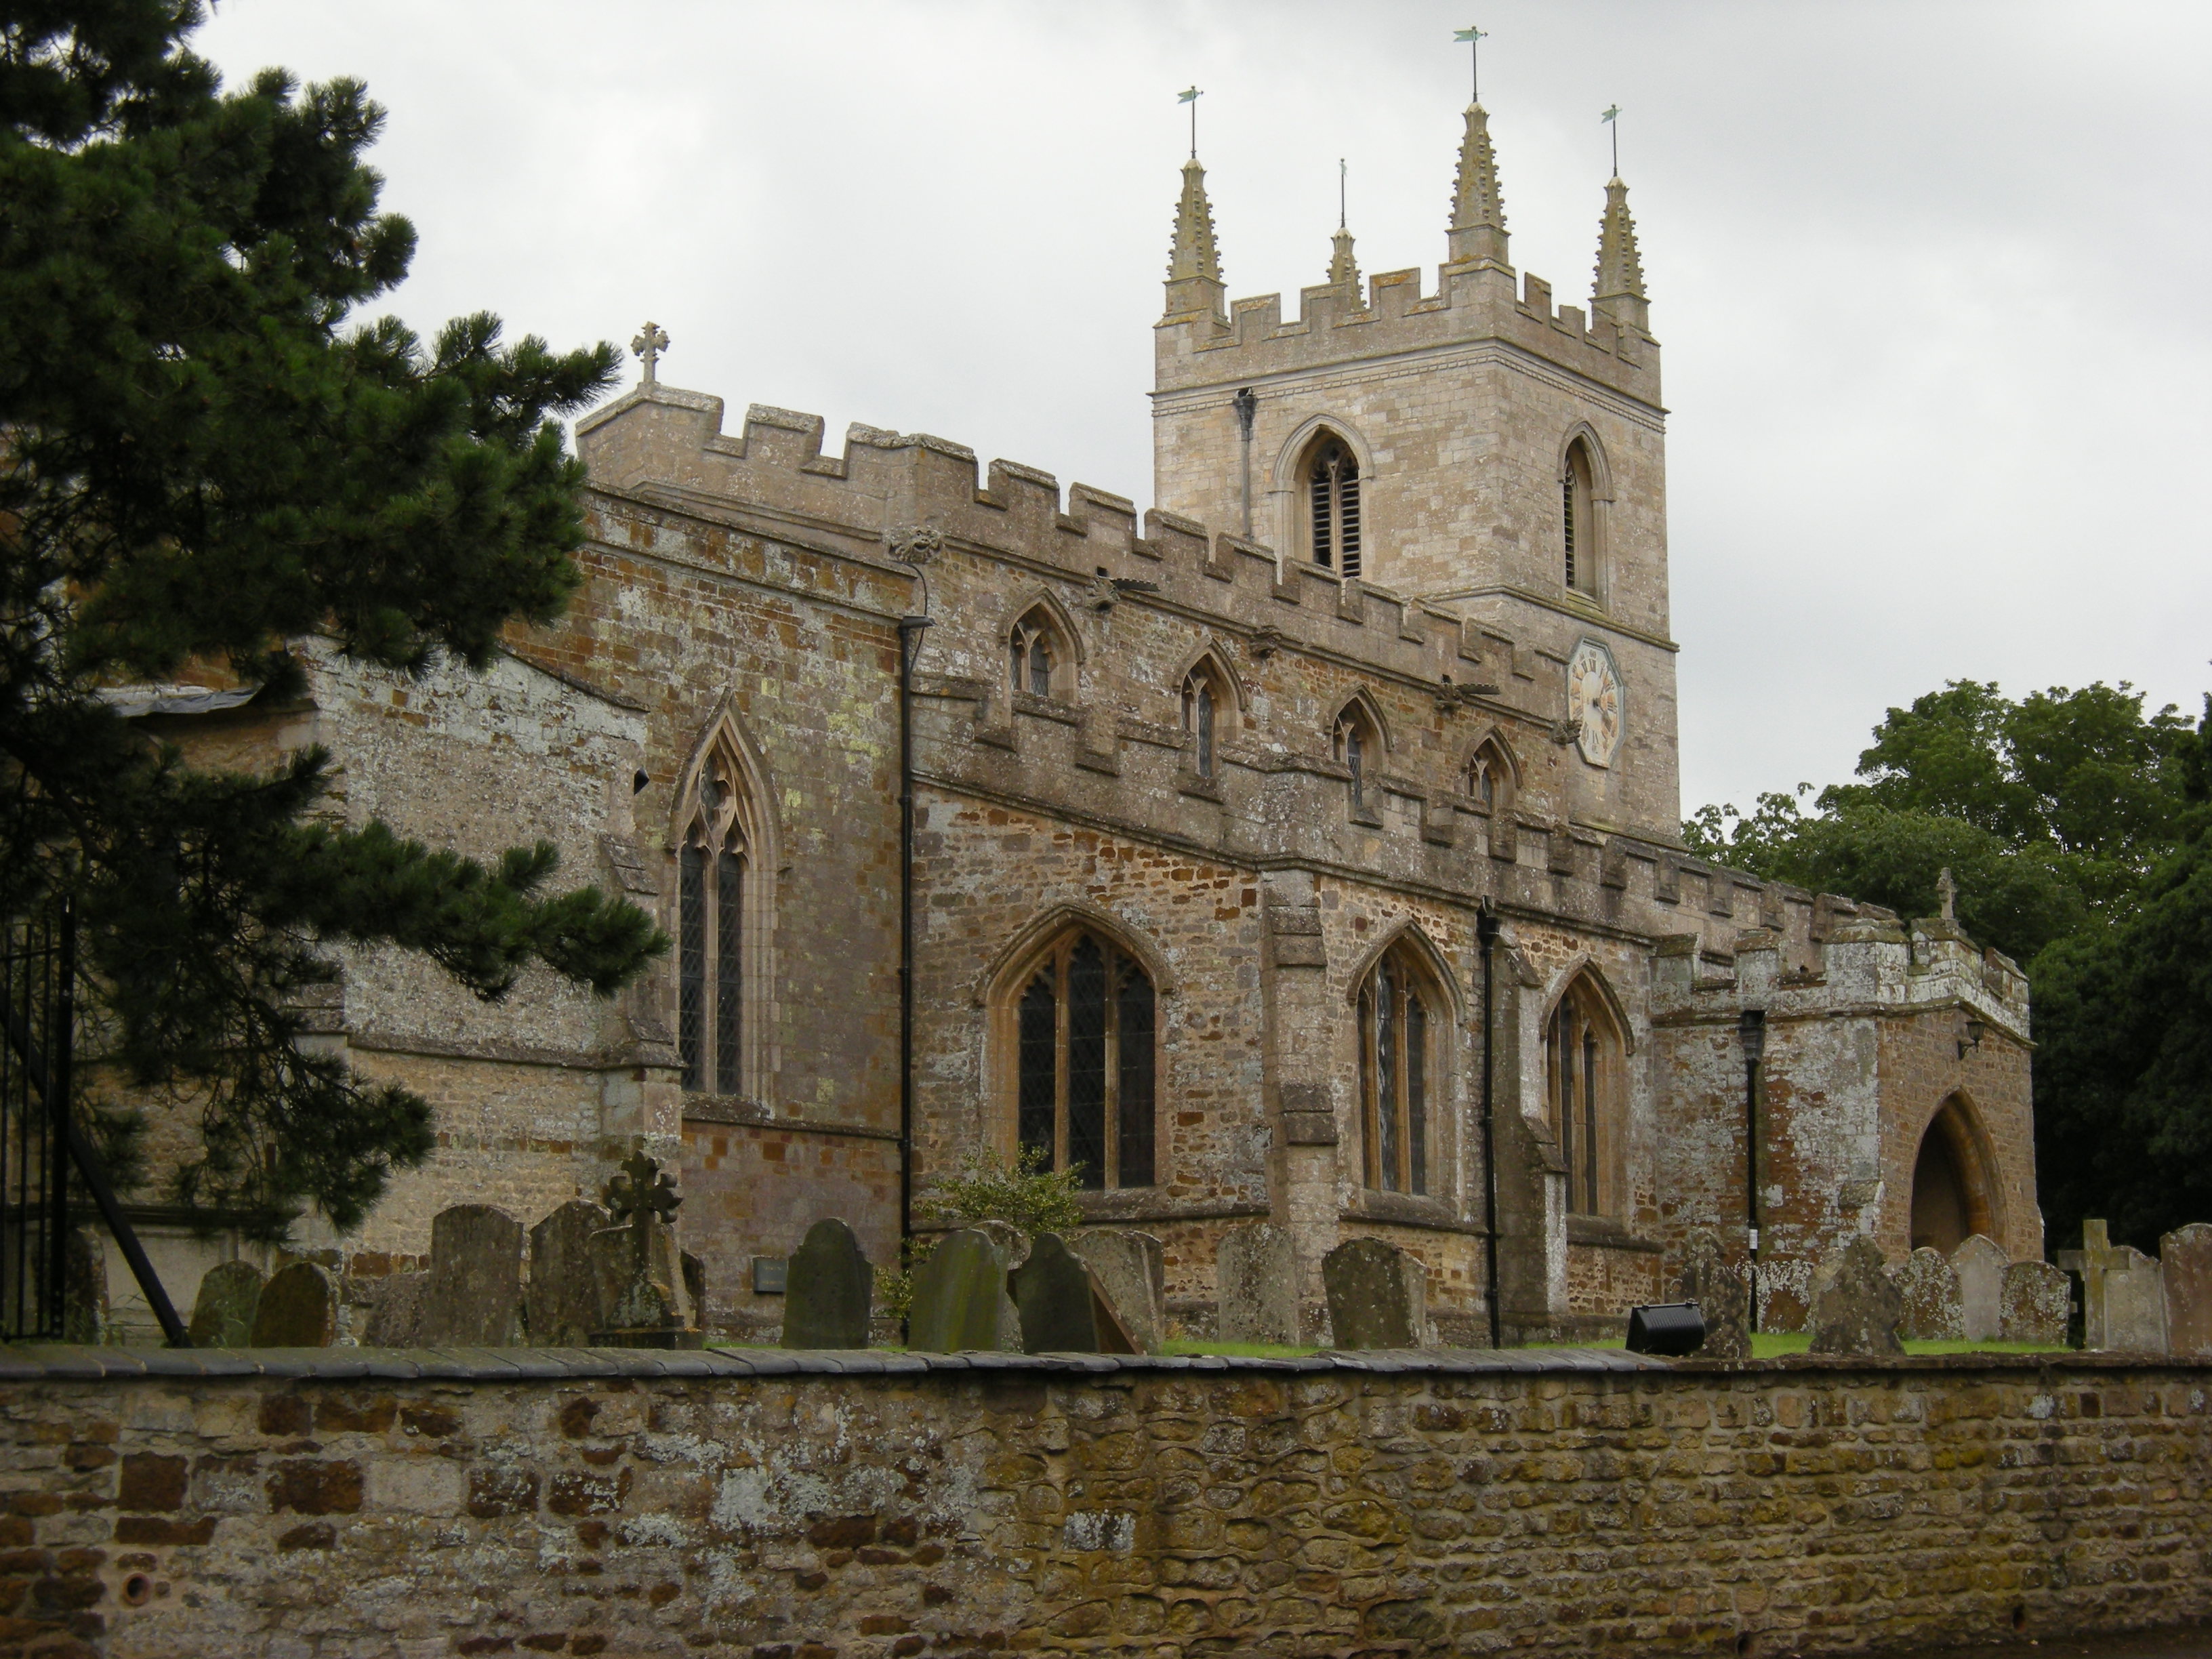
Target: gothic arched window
[1489, 776]
[1331, 479]
[710, 904]
[1578, 519]
[1394, 1075]
[1086, 1042]
[1582, 1065]
[1356, 745]
[1038, 656]
[1201, 702]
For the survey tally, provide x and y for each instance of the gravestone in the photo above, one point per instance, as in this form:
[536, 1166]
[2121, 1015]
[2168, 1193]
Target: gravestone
[566, 1301]
[828, 1290]
[1256, 1287]
[299, 1309]
[956, 1292]
[1980, 1264]
[2185, 1258]
[395, 1314]
[1013, 1249]
[694, 1286]
[2036, 1302]
[1857, 1306]
[1130, 1269]
[639, 1261]
[222, 1311]
[474, 1298]
[1929, 1287]
[2122, 1296]
[1061, 1307]
[1716, 1284]
[1378, 1295]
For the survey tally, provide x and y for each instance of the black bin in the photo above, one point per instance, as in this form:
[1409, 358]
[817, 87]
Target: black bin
[1672, 1328]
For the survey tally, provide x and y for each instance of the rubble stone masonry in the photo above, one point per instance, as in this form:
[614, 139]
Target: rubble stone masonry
[293, 1505]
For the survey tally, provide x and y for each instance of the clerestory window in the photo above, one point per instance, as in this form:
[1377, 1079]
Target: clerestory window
[1199, 705]
[1036, 658]
[1085, 1036]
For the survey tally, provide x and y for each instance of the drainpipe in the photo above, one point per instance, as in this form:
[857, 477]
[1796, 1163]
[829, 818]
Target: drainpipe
[910, 631]
[1247, 404]
[1751, 1025]
[1486, 930]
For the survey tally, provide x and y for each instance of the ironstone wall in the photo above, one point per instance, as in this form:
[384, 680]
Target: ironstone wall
[411, 1502]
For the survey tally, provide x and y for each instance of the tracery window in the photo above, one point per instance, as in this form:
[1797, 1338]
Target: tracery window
[1036, 656]
[1200, 705]
[1332, 504]
[1394, 1076]
[1355, 744]
[1581, 1056]
[1578, 519]
[710, 903]
[1085, 1057]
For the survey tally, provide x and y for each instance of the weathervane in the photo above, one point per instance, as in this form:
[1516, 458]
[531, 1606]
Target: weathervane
[1191, 95]
[1340, 193]
[1611, 118]
[650, 343]
[1474, 38]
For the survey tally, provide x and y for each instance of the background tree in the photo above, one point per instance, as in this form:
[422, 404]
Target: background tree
[2079, 830]
[203, 458]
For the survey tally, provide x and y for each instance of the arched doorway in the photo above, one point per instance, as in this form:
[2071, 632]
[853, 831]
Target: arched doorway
[1950, 1185]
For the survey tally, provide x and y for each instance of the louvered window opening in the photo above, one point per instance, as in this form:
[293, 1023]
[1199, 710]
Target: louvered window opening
[1198, 721]
[1574, 1057]
[1576, 519]
[1085, 1093]
[1394, 1064]
[1333, 491]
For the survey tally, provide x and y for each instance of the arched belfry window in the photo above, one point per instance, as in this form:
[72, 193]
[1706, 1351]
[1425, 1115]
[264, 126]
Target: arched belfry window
[1086, 1042]
[1201, 717]
[1578, 519]
[713, 862]
[1357, 747]
[1396, 1072]
[1038, 657]
[1583, 1062]
[1332, 481]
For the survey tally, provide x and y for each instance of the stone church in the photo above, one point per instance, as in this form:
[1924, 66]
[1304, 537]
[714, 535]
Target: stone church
[1305, 850]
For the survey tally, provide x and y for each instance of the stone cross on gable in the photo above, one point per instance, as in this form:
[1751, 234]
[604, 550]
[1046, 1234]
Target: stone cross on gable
[651, 342]
[1947, 895]
[646, 1197]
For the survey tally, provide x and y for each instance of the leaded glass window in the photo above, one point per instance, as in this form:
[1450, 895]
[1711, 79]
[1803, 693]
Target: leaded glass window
[1394, 1076]
[1581, 1060]
[1084, 1041]
[710, 902]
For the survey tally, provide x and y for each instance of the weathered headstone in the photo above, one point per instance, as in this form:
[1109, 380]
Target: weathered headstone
[2122, 1295]
[566, 1301]
[2184, 1257]
[1013, 1249]
[475, 1297]
[222, 1312]
[1131, 1267]
[830, 1290]
[1256, 1287]
[299, 1309]
[1980, 1264]
[2035, 1302]
[649, 1309]
[1378, 1295]
[1061, 1307]
[956, 1292]
[694, 1286]
[1929, 1287]
[395, 1313]
[1857, 1306]
[1716, 1284]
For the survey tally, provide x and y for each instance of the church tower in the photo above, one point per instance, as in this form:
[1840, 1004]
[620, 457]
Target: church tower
[1474, 447]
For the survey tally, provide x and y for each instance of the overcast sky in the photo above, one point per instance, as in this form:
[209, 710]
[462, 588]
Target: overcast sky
[1931, 275]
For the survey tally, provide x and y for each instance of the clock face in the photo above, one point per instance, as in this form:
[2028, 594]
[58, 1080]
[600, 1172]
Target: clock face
[1594, 697]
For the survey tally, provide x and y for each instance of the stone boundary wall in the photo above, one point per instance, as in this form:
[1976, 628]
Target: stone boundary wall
[306, 1503]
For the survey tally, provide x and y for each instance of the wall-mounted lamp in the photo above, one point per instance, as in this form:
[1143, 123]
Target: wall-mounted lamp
[1976, 1030]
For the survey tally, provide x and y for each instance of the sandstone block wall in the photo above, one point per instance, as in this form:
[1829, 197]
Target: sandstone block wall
[418, 1503]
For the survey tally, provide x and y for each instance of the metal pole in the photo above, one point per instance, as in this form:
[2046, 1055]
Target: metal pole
[909, 632]
[1486, 930]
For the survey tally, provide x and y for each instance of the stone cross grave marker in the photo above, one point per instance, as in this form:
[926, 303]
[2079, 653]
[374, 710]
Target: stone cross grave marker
[648, 1310]
[1062, 1308]
[1858, 1306]
[830, 1291]
[2035, 1304]
[475, 1295]
[1131, 1267]
[1256, 1287]
[956, 1296]
[1980, 1264]
[1716, 1284]
[2185, 1258]
[298, 1310]
[222, 1312]
[1930, 1290]
[1378, 1295]
[566, 1302]
[2122, 1296]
